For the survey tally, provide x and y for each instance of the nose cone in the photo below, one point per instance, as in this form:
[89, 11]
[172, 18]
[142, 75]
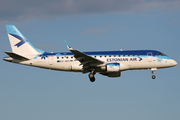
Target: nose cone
[173, 63]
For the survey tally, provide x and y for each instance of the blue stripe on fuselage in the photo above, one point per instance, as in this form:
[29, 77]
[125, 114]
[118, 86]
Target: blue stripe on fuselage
[136, 53]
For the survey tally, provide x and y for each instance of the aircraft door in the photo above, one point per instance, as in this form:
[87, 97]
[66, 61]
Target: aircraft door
[149, 57]
[50, 60]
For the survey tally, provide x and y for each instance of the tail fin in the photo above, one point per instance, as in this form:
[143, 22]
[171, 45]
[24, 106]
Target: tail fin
[19, 43]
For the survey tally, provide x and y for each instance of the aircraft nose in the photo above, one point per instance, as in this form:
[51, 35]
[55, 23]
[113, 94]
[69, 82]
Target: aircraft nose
[173, 63]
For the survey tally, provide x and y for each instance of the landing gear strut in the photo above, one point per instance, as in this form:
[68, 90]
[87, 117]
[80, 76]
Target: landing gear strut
[153, 70]
[91, 76]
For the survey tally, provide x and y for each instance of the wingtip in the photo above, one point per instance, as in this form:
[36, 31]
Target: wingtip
[68, 46]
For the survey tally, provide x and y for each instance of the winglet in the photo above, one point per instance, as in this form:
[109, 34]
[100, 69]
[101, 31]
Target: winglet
[68, 46]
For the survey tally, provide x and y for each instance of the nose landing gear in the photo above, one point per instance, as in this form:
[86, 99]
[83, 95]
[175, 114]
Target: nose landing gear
[153, 70]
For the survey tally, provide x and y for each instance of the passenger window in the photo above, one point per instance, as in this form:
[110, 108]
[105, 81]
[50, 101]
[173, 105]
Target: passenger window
[109, 55]
[57, 57]
[119, 55]
[62, 57]
[123, 55]
[114, 55]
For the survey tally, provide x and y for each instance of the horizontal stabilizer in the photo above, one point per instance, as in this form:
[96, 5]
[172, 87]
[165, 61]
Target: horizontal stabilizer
[16, 56]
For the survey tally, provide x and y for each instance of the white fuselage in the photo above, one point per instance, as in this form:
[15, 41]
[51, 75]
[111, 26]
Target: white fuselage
[69, 63]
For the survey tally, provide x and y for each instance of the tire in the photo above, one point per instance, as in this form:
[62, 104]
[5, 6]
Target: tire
[153, 77]
[92, 79]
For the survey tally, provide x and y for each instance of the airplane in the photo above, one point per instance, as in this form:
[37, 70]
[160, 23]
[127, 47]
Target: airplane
[107, 63]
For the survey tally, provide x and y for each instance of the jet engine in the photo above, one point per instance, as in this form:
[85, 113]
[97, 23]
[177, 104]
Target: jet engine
[112, 70]
[111, 67]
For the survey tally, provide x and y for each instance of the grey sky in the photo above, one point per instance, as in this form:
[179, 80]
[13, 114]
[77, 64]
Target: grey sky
[20, 10]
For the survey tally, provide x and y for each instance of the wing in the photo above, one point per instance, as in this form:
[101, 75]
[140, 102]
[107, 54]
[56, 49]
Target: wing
[83, 58]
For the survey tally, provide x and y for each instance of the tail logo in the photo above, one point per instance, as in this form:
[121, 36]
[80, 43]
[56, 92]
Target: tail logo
[22, 40]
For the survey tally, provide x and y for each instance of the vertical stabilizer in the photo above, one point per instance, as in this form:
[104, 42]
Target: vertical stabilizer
[19, 43]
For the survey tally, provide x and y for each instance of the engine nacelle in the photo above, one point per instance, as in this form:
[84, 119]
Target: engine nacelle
[112, 74]
[111, 70]
[111, 67]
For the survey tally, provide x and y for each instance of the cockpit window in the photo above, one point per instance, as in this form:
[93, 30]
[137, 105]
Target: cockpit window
[164, 54]
[161, 54]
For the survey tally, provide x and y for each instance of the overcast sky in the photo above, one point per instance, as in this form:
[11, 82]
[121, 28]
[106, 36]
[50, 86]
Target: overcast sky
[21, 10]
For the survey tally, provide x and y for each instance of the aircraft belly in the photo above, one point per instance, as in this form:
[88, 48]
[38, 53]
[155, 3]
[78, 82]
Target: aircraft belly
[145, 64]
[66, 66]
[75, 65]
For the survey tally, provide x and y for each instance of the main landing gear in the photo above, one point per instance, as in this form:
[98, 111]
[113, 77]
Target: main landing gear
[91, 76]
[153, 70]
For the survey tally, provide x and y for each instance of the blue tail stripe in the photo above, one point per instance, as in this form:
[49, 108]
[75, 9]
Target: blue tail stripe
[22, 40]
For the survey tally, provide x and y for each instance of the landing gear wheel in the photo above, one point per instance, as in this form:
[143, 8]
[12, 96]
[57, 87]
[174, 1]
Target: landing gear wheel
[153, 77]
[91, 77]
[153, 70]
